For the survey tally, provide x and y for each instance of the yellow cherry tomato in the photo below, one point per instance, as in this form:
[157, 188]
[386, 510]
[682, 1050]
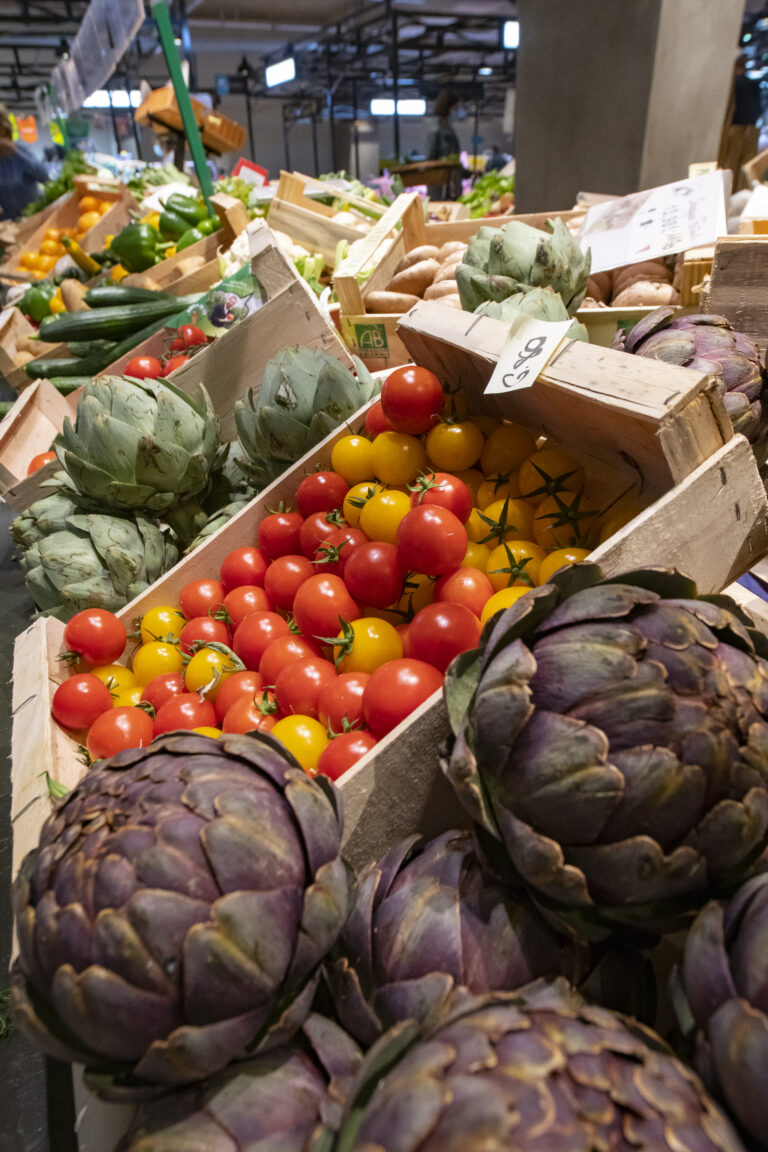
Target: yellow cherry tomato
[486, 424]
[46, 263]
[208, 730]
[116, 677]
[476, 555]
[381, 516]
[454, 447]
[158, 658]
[398, 458]
[104, 207]
[548, 471]
[501, 600]
[514, 562]
[506, 448]
[27, 260]
[558, 559]
[418, 591]
[510, 520]
[356, 499]
[497, 488]
[564, 520]
[88, 204]
[52, 248]
[352, 458]
[618, 516]
[161, 623]
[129, 697]
[475, 526]
[87, 220]
[304, 737]
[372, 642]
[208, 669]
[52, 234]
[473, 478]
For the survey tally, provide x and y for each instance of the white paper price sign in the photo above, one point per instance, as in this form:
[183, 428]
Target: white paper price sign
[531, 345]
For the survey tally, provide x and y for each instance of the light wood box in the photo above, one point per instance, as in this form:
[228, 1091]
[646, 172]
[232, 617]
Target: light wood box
[310, 223]
[28, 428]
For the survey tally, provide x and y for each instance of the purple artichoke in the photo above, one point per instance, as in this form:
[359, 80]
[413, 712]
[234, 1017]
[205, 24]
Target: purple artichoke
[709, 344]
[538, 1070]
[612, 746]
[175, 913]
[725, 982]
[275, 1101]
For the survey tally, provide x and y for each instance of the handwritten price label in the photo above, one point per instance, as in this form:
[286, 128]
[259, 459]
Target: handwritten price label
[531, 345]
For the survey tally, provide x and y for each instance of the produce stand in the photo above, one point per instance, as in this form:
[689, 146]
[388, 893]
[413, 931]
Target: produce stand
[311, 223]
[27, 429]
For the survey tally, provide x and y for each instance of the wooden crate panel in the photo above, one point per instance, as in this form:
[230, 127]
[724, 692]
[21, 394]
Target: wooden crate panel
[739, 286]
[27, 429]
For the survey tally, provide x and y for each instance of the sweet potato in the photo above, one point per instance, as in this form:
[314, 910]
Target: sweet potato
[451, 246]
[423, 252]
[390, 302]
[453, 300]
[416, 279]
[599, 286]
[444, 288]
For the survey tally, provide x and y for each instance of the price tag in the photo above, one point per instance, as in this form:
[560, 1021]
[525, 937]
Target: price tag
[531, 345]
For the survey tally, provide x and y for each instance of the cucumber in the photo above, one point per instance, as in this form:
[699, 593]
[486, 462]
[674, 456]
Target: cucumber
[113, 295]
[88, 366]
[57, 366]
[67, 384]
[89, 347]
[113, 323]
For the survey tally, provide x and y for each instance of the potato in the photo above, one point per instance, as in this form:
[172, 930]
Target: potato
[447, 273]
[599, 286]
[638, 278]
[645, 294]
[390, 302]
[444, 288]
[423, 252]
[450, 247]
[21, 357]
[647, 270]
[453, 300]
[416, 279]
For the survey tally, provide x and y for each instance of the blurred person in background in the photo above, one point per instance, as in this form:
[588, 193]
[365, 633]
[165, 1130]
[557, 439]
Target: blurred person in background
[496, 160]
[740, 135]
[20, 171]
[443, 144]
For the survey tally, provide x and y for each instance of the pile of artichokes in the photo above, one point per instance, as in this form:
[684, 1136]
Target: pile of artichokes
[477, 993]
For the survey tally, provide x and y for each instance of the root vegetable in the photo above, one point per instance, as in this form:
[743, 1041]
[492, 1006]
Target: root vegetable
[416, 279]
[444, 288]
[390, 301]
[450, 247]
[646, 293]
[416, 255]
[447, 272]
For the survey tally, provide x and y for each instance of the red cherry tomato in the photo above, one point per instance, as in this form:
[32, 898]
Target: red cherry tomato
[163, 688]
[395, 690]
[333, 553]
[298, 687]
[341, 700]
[79, 700]
[431, 540]
[467, 586]
[243, 566]
[250, 714]
[39, 461]
[144, 368]
[96, 635]
[445, 491]
[184, 712]
[279, 534]
[283, 652]
[172, 363]
[376, 421]
[320, 603]
[343, 753]
[374, 574]
[236, 687]
[402, 631]
[284, 577]
[321, 492]
[314, 530]
[117, 729]
[202, 630]
[200, 597]
[254, 635]
[247, 598]
[412, 399]
[441, 631]
[188, 336]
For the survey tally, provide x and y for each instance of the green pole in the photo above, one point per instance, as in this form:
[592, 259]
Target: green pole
[165, 30]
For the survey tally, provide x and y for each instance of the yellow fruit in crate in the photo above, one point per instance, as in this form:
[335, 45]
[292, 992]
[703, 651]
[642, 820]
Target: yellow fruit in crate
[116, 677]
[616, 517]
[558, 559]
[418, 591]
[398, 458]
[129, 697]
[548, 471]
[163, 622]
[454, 447]
[476, 528]
[486, 424]
[52, 248]
[473, 478]
[52, 234]
[88, 204]
[506, 448]
[27, 259]
[87, 221]
[514, 562]
[476, 556]
[57, 304]
[382, 514]
[497, 488]
[352, 458]
[508, 519]
[118, 273]
[501, 600]
[565, 519]
[156, 659]
[356, 499]
[207, 730]
[104, 207]
[208, 669]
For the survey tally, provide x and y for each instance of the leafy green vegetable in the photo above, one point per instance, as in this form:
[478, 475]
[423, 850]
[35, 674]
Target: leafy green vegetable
[485, 192]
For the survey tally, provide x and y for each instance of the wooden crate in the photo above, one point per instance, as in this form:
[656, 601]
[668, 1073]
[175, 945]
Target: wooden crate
[28, 428]
[160, 108]
[738, 287]
[14, 327]
[307, 221]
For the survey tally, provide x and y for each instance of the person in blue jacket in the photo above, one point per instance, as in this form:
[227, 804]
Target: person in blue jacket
[20, 171]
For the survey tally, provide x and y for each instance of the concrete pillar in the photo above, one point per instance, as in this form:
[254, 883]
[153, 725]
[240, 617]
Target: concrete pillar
[618, 95]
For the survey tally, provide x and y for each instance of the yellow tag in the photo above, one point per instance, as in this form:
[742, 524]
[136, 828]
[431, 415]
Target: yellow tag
[14, 128]
[56, 133]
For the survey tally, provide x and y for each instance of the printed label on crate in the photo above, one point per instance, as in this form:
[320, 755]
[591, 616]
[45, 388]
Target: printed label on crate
[372, 338]
[224, 306]
[657, 222]
[530, 346]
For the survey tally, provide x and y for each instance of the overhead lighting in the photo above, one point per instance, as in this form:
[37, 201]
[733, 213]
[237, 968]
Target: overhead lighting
[281, 72]
[383, 106]
[511, 33]
[177, 41]
[120, 98]
[485, 71]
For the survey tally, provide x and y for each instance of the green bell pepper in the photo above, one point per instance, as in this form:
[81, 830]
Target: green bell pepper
[36, 301]
[209, 225]
[191, 210]
[190, 237]
[172, 226]
[138, 247]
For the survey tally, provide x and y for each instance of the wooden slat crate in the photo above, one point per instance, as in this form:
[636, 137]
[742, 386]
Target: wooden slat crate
[738, 288]
[310, 223]
[27, 429]
[14, 327]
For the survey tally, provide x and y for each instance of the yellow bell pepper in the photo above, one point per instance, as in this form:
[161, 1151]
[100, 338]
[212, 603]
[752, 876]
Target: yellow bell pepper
[57, 303]
[169, 252]
[152, 218]
[118, 272]
[108, 240]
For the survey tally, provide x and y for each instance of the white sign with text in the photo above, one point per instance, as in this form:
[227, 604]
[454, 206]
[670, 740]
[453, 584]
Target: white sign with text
[530, 346]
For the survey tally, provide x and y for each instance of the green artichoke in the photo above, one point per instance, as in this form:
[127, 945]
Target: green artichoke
[724, 979]
[505, 261]
[215, 521]
[175, 913]
[92, 561]
[42, 518]
[422, 924]
[272, 1102]
[537, 1070]
[305, 394]
[542, 303]
[612, 746]
[139, 444]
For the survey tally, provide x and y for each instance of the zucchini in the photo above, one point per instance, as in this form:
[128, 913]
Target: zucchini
[113, 323]
[113, 295]
[57, 366]
[88, 366]
[89, 347]
[67, 384]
